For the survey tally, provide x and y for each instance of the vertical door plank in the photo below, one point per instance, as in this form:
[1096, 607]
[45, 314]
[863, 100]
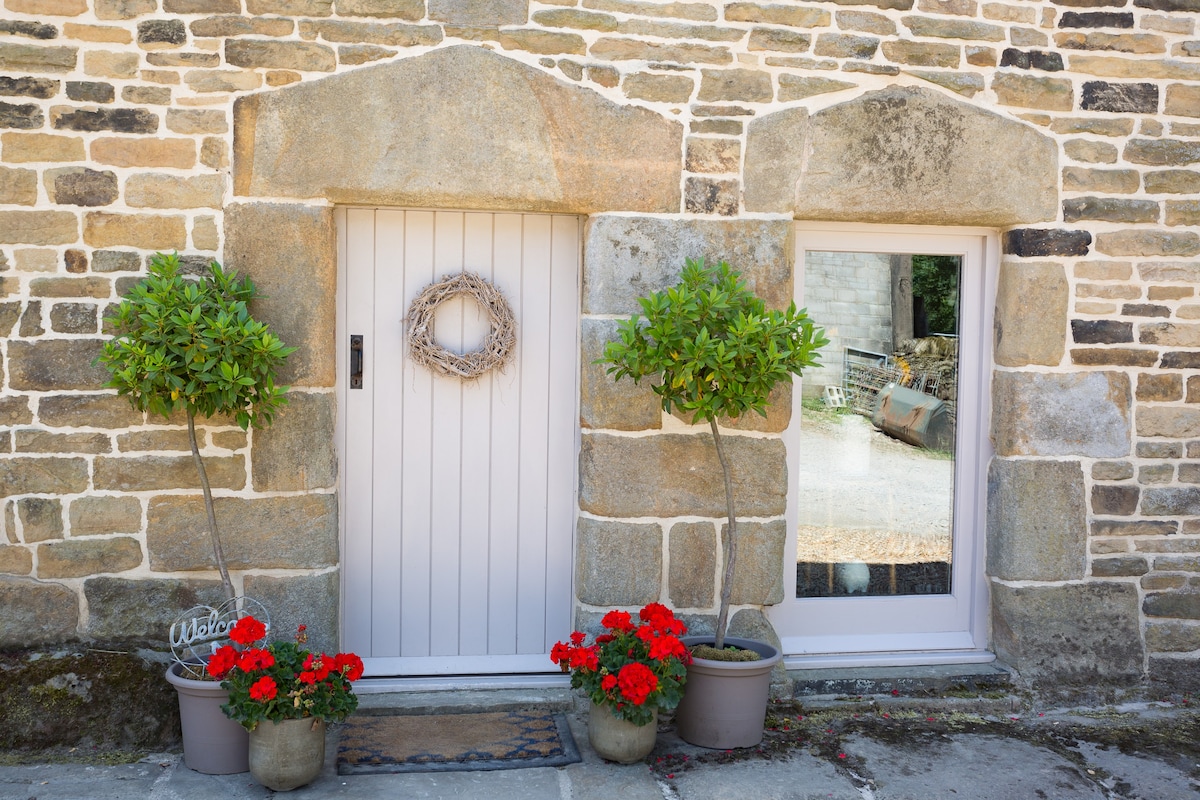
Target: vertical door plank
[535, 373]
[476, 456]
[563, 422]
[388, 440]
[446, 463]
[359, 258]
[505, 449]
[418, 446]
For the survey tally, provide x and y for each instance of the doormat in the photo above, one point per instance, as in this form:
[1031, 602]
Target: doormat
[382, 744]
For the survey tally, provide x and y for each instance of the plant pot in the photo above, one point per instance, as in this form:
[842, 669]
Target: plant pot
[212, 742]
[288, 754]
[725, 702]
[620, 740]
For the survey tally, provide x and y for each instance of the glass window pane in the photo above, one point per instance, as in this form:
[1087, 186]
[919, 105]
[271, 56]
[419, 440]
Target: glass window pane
[877, 428]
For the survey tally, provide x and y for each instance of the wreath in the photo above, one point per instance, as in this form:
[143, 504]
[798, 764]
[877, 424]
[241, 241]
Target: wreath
[497, 346]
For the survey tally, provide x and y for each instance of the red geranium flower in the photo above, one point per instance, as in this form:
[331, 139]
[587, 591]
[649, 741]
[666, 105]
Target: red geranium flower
[636, 681]
[255, 658]
[247, 630]
[618, 621]
[263, 689]
[608, 682]
[222, 661]
[350, 665]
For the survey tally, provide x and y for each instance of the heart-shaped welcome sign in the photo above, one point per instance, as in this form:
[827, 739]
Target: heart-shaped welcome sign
[198, 632]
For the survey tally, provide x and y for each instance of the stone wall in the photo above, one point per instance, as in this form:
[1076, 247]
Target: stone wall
[129, 126]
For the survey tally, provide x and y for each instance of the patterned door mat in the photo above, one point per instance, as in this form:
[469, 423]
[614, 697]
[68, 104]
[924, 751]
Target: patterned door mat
[379, 744]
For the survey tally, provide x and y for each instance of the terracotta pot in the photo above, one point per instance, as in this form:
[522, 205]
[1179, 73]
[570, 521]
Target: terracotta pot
[288, 754]
[620, 740]
[212, 742]
[725, 702]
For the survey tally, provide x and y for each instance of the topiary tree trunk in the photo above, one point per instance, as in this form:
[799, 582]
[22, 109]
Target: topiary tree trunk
[717, 351]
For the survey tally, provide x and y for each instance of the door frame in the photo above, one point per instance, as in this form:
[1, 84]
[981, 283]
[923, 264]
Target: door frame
[433, 672]
[807, 626]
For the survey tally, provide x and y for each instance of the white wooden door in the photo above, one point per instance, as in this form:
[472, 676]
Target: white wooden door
[459, 496]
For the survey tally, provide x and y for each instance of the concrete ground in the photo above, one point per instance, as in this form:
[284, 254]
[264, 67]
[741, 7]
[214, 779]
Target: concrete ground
[881, 747]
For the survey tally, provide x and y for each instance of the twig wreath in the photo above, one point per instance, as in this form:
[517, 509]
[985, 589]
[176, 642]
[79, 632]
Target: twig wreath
[497, 346]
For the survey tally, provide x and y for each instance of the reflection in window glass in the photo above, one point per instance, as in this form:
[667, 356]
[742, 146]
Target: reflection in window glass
[878, 426]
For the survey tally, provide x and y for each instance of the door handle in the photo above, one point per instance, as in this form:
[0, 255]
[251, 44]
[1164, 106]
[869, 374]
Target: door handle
[356, 362]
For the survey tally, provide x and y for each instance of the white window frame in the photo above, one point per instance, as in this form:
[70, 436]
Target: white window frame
[918, 629]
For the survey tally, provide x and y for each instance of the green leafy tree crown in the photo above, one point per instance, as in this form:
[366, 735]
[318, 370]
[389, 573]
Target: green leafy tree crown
[183, 344]
[715, 348]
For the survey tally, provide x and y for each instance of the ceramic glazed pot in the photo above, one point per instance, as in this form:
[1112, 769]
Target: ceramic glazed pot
[288, 754]
[725, 702]
[619, 740]
[212, 742]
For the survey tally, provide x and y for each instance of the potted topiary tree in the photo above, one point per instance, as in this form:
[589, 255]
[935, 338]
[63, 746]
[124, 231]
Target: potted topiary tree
[191, 345]
[714, 350]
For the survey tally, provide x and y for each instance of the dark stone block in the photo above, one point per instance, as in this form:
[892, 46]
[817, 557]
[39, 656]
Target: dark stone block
[1171, 501]
[1178, 605]
[709, 196]
[1032, 59]
[1181, 359]
[1169, 5]
[25, 116]
[143, 609]
[34, 30]
[1144, 310]
[91, 91]
[1120, 567]
[1113, 356]
[75, 261]
[1096, 19]
[84, 187]
[1115, 500]
[1101, 331]
[121, 120]
[1120, 98]
[73, 317]
[168, 31]
[41, 88]
[1110, 209]
[1033, 242]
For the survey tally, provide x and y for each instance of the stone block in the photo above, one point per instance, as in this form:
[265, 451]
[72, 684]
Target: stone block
[1172, 181]
[1188, 359]
[1179, 605]
[81, 186]
[1030, 242]
[55, 364]
[796, 87]
[778, 14]
[193, 120]
[37, 58]
[1155, 473]
[259, 54]
[607, 403]
[757, 579]
[1170, 501]
[148, 473]
[550, 146]
[477, 13]
[1091, 152]
[143, 609]
[678, 474]
[1032, 302]
[1030, 59]
[84, 410]
[923, 54]
[297, 452]
[94, 287]
[91, 91]
[691, 579]
[36, 612]
[1151, 449]
[1109, 181]
[78, 558]
[18, 187]
[41, 518]
[119, 120]
[1075, 414]
[110, 64]
[1172, 637]
[1119, 567]
[658, 88]
[1183, 100]
[1137, 242]
[173, 153]
[631, 257]
[1162, 152]
[1183, 212]
[15, 560]
[74, 318]
[142, 231]
[1101, 331]
[14, 410]
[1119, 98]
[223, 27]
[75, 261]
[839, 45]
[30, 147]
[1037, 527]
[633, 579]
[153, 190]
[1114, 357]
[1170, 334]
[778, 40]
[901, 155]
[543, 42]
[866, 21]
[292, 601]
[25, 116]
[710, 196]
[1172, 422]
[157, 440]
[297, 532]
[289, 252]
[1096, 19]
[395, 34]
[1110, 209]
[1029, 91]
[161, 31]
[1072, 635]
[1159, 388]
[98, 515]
[1115, 500]
[1133, 528]
[736, 85]
[31, 440]
[38, 227]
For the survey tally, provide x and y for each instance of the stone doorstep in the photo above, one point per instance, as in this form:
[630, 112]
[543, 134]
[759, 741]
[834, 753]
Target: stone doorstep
[463, 701]
[924, 682]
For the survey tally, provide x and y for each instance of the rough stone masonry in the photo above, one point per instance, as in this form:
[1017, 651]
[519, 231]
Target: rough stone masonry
[230, 129]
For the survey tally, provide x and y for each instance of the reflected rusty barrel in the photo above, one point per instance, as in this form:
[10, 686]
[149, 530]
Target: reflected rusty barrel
[914, 417]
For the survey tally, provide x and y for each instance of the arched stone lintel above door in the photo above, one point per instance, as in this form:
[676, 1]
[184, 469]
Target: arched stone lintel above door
[461, 127]
[901, 155]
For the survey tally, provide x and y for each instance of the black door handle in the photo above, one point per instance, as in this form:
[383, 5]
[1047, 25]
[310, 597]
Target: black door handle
[356, 362]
